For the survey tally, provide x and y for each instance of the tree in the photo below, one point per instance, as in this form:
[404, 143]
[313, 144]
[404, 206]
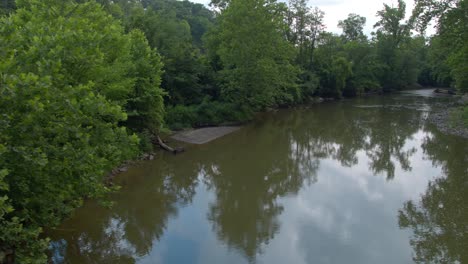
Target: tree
[256, 59]
[452, 20]
[449, 48]
[176, 30]
[315, 27]
[353, 27]
[145, 106]
[394, 48]
[67, 73]
[366, 68]
[341, 70]
[304, 27]
[328, 55]
[425, 11]
[390, 24]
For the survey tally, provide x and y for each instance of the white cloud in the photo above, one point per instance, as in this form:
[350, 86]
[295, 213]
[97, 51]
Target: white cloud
[366, 8]
[336, 10]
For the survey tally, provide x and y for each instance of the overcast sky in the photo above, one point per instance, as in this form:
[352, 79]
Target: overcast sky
[336, 10]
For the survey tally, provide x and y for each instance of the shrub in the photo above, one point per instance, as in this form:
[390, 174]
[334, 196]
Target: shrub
[208, 113]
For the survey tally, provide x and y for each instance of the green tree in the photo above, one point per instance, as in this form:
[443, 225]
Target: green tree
[366, 68]
[393, 38]
[452, 34]
[390, 24]
[257, 70]
[449, 48]
[341, 70]
[438, 66]
[328, 61]
[145, 106]
[304, 27]
[305, 24]
[353, 27]
[176, 30]
[67, 73]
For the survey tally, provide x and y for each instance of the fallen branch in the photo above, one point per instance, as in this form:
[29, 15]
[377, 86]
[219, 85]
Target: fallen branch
[166, 147]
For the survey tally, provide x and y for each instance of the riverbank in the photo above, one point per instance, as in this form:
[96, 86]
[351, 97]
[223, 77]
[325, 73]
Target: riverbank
[443, 117]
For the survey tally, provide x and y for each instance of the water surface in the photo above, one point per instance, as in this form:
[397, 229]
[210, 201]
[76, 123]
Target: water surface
[358, 181]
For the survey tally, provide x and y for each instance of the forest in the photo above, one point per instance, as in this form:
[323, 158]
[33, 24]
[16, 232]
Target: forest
[86, 85]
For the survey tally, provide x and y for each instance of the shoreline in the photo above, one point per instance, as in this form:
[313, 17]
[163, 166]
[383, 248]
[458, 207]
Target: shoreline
[442, 118]
[439, 116]
[442, 115]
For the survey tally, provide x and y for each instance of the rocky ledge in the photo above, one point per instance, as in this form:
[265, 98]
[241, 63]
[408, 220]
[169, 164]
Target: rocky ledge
[442, 117]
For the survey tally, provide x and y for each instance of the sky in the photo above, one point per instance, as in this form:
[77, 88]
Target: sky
[336, 10]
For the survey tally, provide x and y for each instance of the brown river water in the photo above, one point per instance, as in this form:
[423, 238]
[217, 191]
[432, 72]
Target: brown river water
[358, 181]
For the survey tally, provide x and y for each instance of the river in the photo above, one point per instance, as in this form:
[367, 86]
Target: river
[357, 181]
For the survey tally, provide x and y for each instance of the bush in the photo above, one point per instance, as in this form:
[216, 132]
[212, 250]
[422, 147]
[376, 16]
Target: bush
[180, 116]
[65, 79]
[208, 113]
[14, 233]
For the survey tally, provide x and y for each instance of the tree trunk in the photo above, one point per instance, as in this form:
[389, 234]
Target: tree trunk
[166, 147]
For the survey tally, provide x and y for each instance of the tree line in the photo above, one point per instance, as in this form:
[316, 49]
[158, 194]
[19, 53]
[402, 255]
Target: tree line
[86, 84]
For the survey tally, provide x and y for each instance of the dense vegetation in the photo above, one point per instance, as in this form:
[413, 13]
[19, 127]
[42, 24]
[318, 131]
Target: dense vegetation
[85, 84]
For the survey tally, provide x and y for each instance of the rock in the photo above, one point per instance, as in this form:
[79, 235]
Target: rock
[123, 169]
[441, 119]
[151, 157]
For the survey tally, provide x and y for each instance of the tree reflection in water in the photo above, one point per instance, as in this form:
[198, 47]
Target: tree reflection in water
[440, 219]
[138, 218]
[250, 178]
[266, 161]
[246, 209]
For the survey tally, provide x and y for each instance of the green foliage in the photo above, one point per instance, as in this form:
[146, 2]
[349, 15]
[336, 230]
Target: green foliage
[7, 6]
[256, 59]
[331, 65]
[145, 106]
[309, 83]
[181, 116]
[366, 68]
[435, 70]
[305, 25]
[208, 113]
[68, 72]
[353, 27]
[449, 48]
[175, 29]
[394, 48]
[14, 233]
[337, 74]
[454, 33]
[390, 24]
[341, 69]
